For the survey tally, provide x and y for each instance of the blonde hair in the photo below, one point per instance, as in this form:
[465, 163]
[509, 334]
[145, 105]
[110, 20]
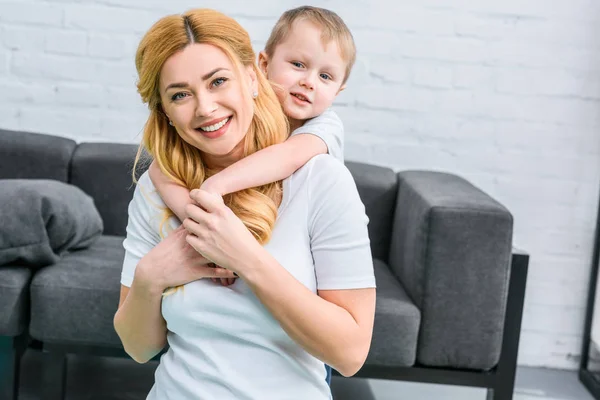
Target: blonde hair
[182, 162]
[332, 27]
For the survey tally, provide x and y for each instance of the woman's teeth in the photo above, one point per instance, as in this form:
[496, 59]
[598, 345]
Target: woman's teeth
[212, 128]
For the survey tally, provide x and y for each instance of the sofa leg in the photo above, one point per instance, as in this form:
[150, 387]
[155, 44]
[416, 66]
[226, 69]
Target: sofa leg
[502, 393]
[11, 351]
[55, 376]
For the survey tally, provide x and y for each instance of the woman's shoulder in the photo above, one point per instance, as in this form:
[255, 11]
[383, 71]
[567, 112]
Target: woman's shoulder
[324, 172]
[146, 202]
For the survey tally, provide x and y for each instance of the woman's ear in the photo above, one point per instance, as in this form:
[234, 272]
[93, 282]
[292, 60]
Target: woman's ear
[263, 62]
[253, 80]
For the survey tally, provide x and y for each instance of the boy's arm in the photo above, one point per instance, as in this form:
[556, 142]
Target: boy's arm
[268, 165]
[175, 196]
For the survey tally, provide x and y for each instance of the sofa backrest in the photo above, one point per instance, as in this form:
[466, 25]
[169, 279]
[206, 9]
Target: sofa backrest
[25, 155]
[103, 170]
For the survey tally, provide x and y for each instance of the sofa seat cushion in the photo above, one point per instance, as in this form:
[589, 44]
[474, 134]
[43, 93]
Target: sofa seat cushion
[397, 322]
[75, 300]
[14, 299]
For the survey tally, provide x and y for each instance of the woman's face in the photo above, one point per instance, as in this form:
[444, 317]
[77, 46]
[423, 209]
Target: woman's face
[208, 103]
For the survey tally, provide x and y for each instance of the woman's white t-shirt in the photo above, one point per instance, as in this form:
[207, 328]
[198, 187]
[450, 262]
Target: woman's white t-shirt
[223, 343]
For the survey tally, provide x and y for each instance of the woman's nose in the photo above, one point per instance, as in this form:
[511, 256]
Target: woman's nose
[205, 106]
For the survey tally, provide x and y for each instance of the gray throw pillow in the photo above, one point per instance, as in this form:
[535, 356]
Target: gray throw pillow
[42, 219]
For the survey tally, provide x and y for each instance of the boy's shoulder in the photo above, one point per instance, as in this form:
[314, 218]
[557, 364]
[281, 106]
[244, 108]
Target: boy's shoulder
[327, 117]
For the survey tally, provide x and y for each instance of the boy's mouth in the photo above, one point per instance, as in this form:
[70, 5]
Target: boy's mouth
[300, 97]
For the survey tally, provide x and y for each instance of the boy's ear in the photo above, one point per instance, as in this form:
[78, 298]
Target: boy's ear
[341, 88]
[263, 62]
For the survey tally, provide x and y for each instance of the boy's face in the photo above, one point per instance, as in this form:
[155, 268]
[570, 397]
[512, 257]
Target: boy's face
[310, 74]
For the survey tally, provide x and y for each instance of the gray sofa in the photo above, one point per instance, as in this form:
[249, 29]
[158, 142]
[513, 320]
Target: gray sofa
[450, 285]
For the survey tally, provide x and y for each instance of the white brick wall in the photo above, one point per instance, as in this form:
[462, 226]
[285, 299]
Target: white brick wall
[504, 93]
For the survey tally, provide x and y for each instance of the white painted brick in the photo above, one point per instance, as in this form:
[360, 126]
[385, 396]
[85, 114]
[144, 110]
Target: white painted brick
[67, 122]
[385, 71]
[552, 83]
[28, 13]
[371, 41]
[563, 269]
[9, 117]
[377, 95]
[80, 95]
[432, 76]
[54, 67]
[552, 319]
[113, 46]
[118, 98]
[258, 29]
[66, 42]
[28, 38]
[12, 92]
[473, 76]
[540, 349]
[515, 28]
[455, 49]
[4, 62]
[109, 19]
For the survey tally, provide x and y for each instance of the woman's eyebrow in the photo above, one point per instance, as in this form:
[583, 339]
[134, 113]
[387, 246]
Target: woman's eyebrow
[182, 85]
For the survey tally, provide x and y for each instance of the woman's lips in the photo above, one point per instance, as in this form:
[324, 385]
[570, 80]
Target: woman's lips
[215, 134]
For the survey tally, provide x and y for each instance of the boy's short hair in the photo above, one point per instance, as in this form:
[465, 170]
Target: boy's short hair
[332, 26]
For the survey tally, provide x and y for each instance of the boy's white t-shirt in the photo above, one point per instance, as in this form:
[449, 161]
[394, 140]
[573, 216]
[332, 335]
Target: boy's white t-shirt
[329, 127]
[223, 343]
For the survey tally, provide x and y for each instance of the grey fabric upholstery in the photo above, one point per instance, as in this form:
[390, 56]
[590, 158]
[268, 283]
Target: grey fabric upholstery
[103, 170]
[397, 322]
[42, 219]
[26, 155]
[14, 299]
[377, 187]
[74, 300]
[451, 247]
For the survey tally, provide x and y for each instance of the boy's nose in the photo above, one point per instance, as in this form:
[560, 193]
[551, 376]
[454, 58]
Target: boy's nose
[308, 81]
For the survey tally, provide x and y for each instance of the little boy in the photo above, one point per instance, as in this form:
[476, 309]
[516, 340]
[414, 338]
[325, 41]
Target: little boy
[308, 57]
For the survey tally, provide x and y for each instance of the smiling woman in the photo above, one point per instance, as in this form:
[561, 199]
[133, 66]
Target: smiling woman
[304, 297]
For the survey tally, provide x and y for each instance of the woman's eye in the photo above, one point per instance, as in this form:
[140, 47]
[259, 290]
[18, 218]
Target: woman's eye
[297, 64]
[219, 81]
[178, 96]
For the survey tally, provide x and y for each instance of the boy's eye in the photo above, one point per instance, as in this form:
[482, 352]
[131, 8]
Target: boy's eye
[178, 96]
[297, 64]
[327, 77]
[218, 82]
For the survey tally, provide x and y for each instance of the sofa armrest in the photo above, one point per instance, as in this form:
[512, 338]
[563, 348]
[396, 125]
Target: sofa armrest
[451, 247]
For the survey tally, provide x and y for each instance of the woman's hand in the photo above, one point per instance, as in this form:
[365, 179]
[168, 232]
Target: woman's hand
[217, 233]
[173, 262]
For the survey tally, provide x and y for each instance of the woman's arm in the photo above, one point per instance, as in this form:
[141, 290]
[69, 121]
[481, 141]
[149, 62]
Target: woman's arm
[270, 164]
[139, 322]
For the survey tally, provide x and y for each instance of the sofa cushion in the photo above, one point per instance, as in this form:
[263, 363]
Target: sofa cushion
[43, 219]
[14, 299]
[397, 322]
[377, 187]
[75, 300]
[112, 189]
[25, 155]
